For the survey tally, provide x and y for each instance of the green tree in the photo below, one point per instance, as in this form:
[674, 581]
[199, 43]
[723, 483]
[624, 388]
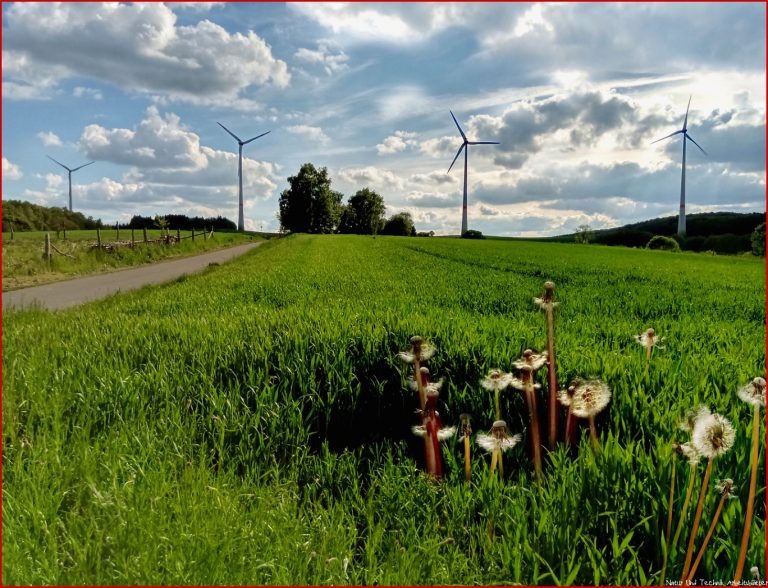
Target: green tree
[399, 224]
[663, 242]
[758, 240]
[363, 214]
[584, 234]
[309, 205]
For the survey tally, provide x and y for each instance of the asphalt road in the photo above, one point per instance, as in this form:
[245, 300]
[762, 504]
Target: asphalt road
[73, 292]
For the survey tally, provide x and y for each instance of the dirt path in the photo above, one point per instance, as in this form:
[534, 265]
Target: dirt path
[73, 292]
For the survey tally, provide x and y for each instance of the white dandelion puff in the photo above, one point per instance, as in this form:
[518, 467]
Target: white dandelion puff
[754, 392]
[496, 380]
[691, 416]
[530, 361]
[589, 398]
[650, 339]
[713, 435]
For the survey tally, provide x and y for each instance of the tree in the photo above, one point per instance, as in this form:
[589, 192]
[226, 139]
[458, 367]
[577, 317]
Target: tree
[758, 240]
[664, 243]
[309, 205]
[583, 234]
[363, 214]
[399, 224]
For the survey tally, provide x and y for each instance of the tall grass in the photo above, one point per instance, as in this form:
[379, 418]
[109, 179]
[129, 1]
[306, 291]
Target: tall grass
[251, 425]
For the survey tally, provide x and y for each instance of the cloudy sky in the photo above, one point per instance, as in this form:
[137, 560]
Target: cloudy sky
[574, 93]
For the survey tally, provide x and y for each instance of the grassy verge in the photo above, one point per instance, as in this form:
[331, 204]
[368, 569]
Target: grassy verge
[251, 424]
[75, 255]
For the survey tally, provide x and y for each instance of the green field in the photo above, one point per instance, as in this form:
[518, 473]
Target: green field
[251, 425]
[24, 264]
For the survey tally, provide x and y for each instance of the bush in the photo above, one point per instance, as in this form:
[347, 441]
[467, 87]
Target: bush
[472, 234]
[758, 240]
[663, 243]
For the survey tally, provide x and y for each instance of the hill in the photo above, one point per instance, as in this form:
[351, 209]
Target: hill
[722, 232]
[26, 216]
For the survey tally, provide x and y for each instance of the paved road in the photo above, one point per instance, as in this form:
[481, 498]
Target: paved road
[73, 292]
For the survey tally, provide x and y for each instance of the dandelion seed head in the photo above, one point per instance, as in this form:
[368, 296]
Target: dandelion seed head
[517, 383]
[565, 396]
[755, 573]
[589, 398]
[530, 361]
[754, 392]
[498, 438]
[691, 416]
[446, 433]
[691, 454]
[725, 487]
[649, 339]
[419, 430]
[486, 441]
[496, 380]
[420, 350]
[713, 435]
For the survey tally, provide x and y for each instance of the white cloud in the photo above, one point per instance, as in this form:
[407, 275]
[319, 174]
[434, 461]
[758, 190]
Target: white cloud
[11, 171]
[196, 63]
[372, 177]
[396, 143]
[311, 133]
[83, 92]
[49, 139]
[331, 62]
[196, 7]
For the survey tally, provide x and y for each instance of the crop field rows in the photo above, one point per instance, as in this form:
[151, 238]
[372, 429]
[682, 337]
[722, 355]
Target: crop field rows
[252, 425]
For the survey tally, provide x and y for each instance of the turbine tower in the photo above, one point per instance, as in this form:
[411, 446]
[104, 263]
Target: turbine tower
[240, 143]
[464, 147]
[686, 137]
[69, 172]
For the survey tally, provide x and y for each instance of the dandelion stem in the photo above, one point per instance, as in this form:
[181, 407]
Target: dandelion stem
[686, 503]
[648, 351]
[494, 459]
[530, 396]
[467, 463]
[552, 376]
[750, 497]
[593, 434]
[420, 388]
[437, 470]
[696, 519]
[667, 535]
[708, 537]
[498, 411]
[570, 425]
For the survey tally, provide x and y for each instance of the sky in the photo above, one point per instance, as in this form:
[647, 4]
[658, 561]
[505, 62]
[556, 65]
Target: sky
[575, 94]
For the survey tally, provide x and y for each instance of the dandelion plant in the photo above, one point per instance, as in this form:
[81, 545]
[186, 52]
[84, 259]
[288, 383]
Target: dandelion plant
[565, 397]
[725, 488]
[497, 442]
[547, 303]
[590, 397]
[528, 364]
[649, 339]
[713, 436]
[495, 382]
[419, 352]
[466, 432]
[753, 394]
[433, 432]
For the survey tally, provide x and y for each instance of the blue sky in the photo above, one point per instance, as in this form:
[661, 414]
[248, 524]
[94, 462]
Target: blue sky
[574, 93]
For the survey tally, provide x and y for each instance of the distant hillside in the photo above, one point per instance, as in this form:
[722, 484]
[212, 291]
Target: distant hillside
[26, 216]
[722, 232]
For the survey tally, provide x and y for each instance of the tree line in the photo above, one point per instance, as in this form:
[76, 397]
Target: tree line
[181, 222]
[25, 216]
[309, 205]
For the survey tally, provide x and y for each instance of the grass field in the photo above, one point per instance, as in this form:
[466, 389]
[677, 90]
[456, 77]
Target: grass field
[24, 264]
[251, 425]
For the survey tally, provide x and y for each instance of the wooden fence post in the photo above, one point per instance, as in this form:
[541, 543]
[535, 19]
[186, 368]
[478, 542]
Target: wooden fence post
[47, 251]
[117, 230]
[145, 234]
[11, 231]
[193, 233]
[98, 238]
[178, 235]
[132, 240]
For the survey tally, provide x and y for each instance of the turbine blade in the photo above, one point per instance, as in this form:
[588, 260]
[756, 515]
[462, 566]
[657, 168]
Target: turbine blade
[667, 137]
[258, 137]
[230, 132]
[685, 122]
[463, 136]
[687, 136]
[84, 165]
[463, 145]
[483, 142]
[61, 164]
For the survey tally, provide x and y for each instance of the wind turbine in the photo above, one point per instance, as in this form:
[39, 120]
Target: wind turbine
[464, 147]
[69, 172]
[686, 137]
[240, 143]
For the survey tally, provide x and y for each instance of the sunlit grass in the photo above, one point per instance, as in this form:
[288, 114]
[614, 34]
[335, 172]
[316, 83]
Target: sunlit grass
[251, 425]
